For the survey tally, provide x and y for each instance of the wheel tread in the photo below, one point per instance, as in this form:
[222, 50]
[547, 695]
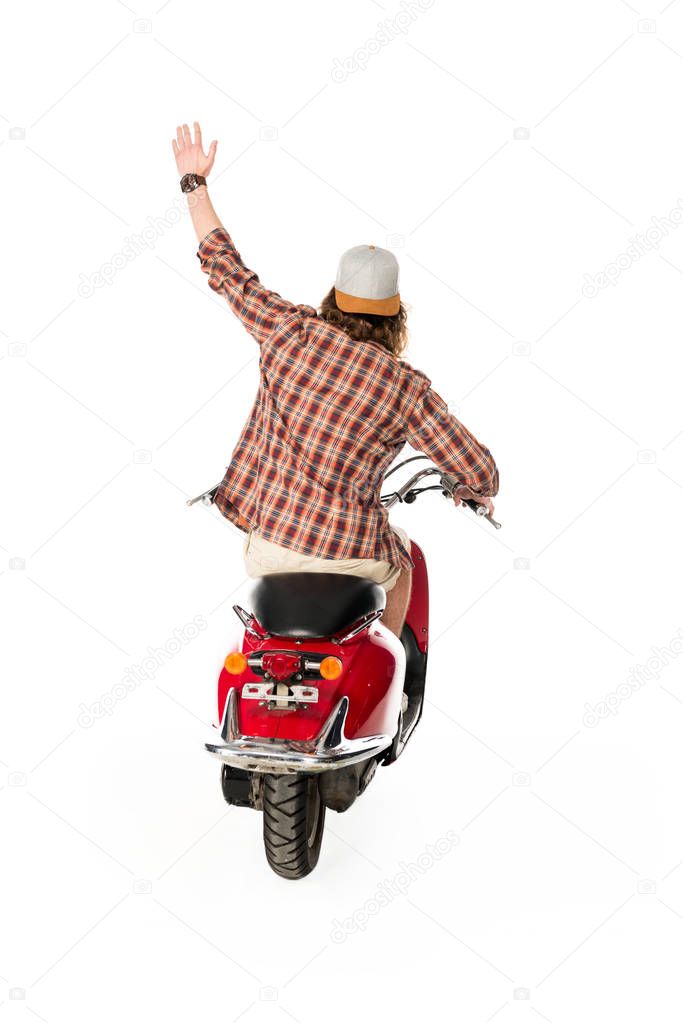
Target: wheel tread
[285, 825]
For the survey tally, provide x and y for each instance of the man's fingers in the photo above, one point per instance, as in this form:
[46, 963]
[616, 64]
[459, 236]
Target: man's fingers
[175, 147]
[212, 155]
[187, 137]
[179, 136]
[463, 493]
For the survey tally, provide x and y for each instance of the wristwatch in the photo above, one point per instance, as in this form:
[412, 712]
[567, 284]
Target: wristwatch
[189, 182]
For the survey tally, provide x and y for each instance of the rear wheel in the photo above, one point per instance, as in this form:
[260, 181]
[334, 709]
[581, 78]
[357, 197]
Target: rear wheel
[293, 823]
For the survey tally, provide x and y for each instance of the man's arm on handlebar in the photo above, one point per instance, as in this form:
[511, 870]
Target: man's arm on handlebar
[435, 432]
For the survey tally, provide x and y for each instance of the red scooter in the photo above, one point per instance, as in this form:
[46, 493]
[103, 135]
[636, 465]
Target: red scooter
[320, 694]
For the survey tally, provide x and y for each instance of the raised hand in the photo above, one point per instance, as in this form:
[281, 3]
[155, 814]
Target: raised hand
[190, 157]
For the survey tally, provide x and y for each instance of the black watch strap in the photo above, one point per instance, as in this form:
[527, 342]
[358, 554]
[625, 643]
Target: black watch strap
[189, 182]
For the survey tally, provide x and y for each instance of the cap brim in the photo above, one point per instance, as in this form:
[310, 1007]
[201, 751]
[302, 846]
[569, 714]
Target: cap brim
[376, 306]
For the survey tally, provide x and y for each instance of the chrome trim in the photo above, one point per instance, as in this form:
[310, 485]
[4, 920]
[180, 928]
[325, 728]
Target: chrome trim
[329, 750]
[449, 486]
[207, 498]
[267, 691]
[299, 694]
[395, 468]
[361, 624]
[400, 494]
[257, 691]
[250, 623]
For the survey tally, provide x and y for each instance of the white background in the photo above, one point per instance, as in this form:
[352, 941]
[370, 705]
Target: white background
[127, 887]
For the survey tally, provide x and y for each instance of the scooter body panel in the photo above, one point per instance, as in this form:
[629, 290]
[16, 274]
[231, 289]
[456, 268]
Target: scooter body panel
[369, 693]
[372, 680]
[417, 616]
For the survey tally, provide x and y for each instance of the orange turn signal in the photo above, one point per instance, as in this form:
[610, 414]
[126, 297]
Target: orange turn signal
[330, 668]
[235, 663]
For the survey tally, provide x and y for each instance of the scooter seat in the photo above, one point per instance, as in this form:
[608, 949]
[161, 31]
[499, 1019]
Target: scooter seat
[313, 605]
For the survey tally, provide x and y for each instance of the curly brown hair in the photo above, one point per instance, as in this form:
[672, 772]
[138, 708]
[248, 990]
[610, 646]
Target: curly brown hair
[389, 331]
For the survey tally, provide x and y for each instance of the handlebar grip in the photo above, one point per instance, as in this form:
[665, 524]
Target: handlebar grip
[481, 511]
[206, 498]
[476, 507]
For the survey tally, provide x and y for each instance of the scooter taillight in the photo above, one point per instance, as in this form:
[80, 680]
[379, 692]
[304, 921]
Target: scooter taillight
[235, 663]
[330, 668]
[281, 666]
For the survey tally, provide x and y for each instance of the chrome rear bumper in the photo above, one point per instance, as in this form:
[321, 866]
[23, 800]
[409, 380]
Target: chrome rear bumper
[329, 750]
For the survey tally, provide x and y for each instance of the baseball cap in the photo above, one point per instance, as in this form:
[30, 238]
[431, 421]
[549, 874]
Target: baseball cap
[367, 281]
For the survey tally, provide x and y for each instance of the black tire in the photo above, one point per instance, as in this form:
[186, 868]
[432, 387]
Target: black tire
[293, 823]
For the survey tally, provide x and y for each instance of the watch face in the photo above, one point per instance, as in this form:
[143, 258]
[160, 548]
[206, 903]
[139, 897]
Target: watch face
[189, 182]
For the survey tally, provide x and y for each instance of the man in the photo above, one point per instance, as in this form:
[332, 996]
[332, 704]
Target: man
[335, 406]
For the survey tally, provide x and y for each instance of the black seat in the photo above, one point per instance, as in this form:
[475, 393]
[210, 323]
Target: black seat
[313, 605]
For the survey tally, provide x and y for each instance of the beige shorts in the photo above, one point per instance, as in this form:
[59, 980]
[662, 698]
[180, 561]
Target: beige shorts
[261, 557]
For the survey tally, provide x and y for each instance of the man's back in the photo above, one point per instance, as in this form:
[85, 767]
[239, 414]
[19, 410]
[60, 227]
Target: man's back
[330, 416]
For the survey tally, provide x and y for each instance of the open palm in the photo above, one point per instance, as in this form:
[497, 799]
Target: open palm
[190, 157]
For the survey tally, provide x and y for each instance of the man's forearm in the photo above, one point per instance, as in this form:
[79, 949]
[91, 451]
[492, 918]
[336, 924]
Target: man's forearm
[204, 217]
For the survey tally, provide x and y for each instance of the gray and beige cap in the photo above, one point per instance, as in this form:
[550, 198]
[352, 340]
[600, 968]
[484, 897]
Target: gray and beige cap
[367, 281]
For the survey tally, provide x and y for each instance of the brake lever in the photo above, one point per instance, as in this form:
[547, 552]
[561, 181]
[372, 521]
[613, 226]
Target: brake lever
[451, 488]
[481, 512]
[206, 498]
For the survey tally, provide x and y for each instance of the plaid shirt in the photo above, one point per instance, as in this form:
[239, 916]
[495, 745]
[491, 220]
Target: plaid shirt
[330, 416]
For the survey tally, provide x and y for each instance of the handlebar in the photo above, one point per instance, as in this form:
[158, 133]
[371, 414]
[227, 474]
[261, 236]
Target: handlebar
[206, 498]
[407, 494]
[448, 485]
